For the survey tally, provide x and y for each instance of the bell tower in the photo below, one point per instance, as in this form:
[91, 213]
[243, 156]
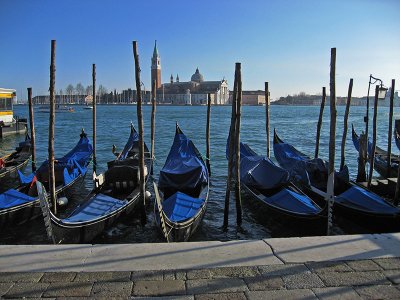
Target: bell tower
[156, 68]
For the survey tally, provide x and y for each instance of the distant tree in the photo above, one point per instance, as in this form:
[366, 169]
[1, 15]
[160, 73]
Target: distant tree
[80, 90]
[89, 90]
[61, 96]
[101, 91]
[70, 91]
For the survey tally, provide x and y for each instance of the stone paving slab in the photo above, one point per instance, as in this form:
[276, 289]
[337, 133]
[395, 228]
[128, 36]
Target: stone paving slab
[353, 278]
[112, 289]
[336, 248]
[69, 289]
[217, 285]
[303, 294]
[5, 287]
[224, 296]
[336, 293]
[26, 289]
[378, 292]
[159, 288]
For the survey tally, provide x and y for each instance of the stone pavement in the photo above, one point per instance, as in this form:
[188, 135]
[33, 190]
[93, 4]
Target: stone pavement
[339, 267]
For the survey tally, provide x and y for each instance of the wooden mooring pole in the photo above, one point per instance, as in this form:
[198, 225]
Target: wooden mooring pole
[345, 126]
[153, 123]
[208, 134]
[32, 126]
[321, 114]
[52, 181]
[237, 146]
[94, 116]
[362, 158]
[390, 131]
[372, 155]
[332, 136]
[267, 120]
[231, 154]
[141, 142]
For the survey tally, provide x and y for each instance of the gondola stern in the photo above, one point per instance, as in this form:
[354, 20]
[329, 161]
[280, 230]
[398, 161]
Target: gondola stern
[46, 211]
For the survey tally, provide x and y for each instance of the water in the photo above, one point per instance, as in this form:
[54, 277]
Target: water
[295, 124]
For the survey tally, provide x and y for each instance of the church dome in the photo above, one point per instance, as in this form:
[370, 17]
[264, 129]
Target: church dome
[197, 76]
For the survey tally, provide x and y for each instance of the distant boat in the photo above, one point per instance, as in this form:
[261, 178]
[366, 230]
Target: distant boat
[88, 107]
[59, 108]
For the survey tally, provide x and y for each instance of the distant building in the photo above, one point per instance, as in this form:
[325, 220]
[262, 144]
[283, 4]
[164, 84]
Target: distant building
[193, 92]
[251, 97]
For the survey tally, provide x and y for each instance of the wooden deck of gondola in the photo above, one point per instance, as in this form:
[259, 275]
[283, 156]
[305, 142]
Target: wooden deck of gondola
[353, 266]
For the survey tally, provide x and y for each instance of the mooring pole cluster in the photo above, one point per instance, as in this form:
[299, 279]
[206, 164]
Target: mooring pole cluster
[234, 149]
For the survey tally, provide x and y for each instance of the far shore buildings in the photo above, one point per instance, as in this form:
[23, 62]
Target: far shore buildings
[193, 92]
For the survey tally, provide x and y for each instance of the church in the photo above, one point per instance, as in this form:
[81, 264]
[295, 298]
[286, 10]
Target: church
[193, 92]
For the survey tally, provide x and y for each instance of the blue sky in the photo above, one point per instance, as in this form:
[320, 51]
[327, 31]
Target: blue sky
[286, 43]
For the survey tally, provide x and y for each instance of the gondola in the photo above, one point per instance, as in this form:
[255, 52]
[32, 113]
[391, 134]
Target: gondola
[350, 199]
[270, 187]
[182, 191]
[21, 204]
[381, 156]
[14, 162]
[115, 194]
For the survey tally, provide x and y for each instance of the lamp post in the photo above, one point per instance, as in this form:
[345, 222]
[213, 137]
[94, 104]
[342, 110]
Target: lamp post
[381, 96]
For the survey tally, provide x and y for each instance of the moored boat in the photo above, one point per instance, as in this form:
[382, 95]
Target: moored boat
[270, 186]
[21, 204]
[116, 193]
[14, 162]
[350, 199]
[381, 157]
[182, 191]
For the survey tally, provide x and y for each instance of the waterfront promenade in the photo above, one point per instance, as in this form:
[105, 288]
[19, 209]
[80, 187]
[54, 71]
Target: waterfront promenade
[336, 267]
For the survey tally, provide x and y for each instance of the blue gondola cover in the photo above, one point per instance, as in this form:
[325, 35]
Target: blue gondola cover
[261, 173]
[361, 199]
[183, 168]
[74, 162]
[293, 202]
[180, 207]
[13, 198]
[98, 206]
[133, 138]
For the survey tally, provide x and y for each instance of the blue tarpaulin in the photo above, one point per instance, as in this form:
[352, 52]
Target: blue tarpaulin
[132, 141]
[13, 198]
[293, 202]
[261, 173]
[98, 206]
[183, 169]
[303, 168]
[74, 161]
[361, 199]
[180, 207]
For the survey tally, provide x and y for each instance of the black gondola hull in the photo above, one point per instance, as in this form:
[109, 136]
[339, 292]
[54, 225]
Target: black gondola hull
[84, 232]
[26, 212]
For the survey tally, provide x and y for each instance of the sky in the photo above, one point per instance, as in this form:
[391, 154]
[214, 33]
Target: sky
[287, 42]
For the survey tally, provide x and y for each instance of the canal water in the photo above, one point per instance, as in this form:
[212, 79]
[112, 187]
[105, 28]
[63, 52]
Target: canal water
[294, 124]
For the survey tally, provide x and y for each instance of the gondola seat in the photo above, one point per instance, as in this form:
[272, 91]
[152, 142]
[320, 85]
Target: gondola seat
[96, 207]
[180, 207]
[121, 178]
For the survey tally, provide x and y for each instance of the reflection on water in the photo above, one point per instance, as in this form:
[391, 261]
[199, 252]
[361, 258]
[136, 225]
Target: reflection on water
[296, 125]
